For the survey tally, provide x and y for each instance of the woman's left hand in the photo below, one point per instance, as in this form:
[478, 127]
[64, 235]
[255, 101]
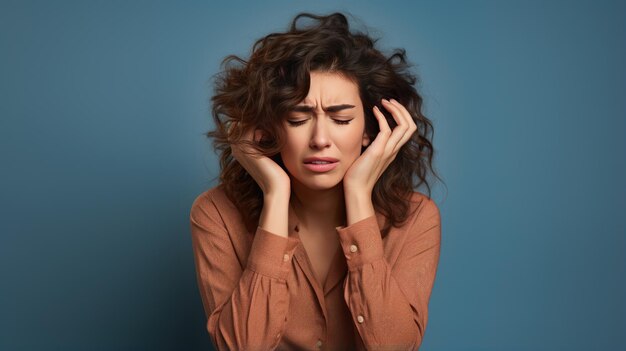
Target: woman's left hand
[365, 171]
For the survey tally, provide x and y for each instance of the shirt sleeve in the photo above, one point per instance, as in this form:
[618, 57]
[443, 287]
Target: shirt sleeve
[389, 303]
[246, 307]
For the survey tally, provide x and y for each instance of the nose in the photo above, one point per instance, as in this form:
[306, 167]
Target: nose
[320, 138]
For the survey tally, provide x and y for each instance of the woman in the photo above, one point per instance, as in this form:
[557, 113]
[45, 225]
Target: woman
[315, 238]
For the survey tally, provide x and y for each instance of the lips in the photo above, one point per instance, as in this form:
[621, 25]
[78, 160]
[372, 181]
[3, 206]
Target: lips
[320, 159]
[321, 167]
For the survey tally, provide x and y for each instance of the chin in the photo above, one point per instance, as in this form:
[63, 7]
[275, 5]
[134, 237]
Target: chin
[320, 186]
[320, 182]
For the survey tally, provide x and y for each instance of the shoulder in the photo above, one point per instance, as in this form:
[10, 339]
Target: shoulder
[207, 196]
[212, 202]
[424, 216]
[423, 206]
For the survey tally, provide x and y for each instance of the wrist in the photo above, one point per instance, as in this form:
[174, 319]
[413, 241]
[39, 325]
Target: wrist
[358, 206]
[356, 192]
[274, 215]
[277, 196]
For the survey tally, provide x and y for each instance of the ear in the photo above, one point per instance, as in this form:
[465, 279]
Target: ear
[366, 140]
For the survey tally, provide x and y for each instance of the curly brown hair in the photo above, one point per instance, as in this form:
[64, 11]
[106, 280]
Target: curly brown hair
[259, 92]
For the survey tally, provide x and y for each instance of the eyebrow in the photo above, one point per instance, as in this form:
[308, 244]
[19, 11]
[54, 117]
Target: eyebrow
[334, 108]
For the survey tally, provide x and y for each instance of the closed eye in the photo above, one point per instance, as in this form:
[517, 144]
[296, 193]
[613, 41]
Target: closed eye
[342, 122]
[337, 121]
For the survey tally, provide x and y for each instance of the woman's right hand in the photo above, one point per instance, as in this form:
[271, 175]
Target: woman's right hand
[270, 177]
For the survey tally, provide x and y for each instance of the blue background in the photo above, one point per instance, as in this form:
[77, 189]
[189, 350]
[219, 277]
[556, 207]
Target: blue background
[104, 106]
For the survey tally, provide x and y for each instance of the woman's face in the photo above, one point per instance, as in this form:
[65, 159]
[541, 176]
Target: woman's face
[330, 122]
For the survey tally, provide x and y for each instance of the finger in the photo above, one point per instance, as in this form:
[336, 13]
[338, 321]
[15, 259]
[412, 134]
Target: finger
[402, 127]
[257, 135]
[404, 113]
[244, 139]
[248, 134]
[382, 122]
[378, 145]
[235, 132]
[410, 123]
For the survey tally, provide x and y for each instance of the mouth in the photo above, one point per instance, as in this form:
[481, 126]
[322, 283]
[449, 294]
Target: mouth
[319, 162]
[320, 166]
[320, 159]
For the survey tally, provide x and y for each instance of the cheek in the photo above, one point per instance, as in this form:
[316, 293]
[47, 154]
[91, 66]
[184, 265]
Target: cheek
[353, 142]
[290, 152]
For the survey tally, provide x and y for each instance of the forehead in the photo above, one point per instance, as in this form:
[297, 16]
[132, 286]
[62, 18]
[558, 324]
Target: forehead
[329, 88]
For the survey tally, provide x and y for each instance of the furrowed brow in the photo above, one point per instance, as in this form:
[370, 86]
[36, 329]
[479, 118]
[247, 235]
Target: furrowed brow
[310, 109]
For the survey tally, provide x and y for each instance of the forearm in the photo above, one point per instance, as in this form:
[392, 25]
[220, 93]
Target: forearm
[390, 309]
[245, 305]
[382, 314]
[253, 318]
[358, 205]
[275, 214]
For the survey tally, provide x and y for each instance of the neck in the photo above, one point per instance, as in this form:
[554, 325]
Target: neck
[325, 208]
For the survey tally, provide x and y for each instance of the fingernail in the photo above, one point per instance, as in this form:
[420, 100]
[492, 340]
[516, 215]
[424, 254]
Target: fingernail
[394, 100]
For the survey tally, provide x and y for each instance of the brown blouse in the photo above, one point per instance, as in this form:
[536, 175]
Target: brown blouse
[259, 291]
